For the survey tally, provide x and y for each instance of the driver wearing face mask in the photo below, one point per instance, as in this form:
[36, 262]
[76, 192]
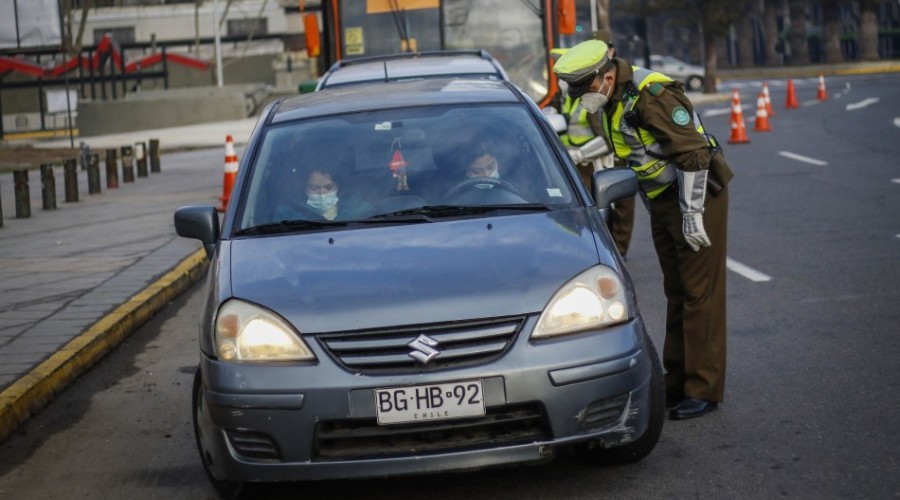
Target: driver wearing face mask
[483, 166]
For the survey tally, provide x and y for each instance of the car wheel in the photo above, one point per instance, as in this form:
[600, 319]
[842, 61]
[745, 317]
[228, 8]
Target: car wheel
[228, 490]
[694, 82]
[636, 450]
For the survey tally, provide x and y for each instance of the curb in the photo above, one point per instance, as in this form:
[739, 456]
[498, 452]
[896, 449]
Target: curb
[38, 387]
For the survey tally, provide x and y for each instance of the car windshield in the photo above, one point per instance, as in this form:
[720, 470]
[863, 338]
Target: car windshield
[405, 165]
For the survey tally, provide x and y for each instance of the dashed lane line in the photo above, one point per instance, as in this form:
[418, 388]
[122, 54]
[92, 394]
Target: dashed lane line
[746, 271]
[802, 158]
[862, 104]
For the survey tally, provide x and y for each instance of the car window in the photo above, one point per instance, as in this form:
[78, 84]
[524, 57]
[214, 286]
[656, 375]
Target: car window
[397, 160]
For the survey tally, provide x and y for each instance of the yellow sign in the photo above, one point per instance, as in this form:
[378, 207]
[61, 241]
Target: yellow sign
[353, 42]
[381, 6]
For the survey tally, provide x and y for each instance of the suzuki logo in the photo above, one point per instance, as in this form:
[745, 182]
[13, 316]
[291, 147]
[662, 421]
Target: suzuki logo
[423, 348]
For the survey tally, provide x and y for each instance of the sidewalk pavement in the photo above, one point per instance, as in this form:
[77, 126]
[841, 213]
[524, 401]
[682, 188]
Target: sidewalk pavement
[76, 281]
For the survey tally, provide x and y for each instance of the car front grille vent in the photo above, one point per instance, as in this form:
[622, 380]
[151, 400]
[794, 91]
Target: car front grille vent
[603, 413]
[422, 348]
[364, 438]
[253, 445]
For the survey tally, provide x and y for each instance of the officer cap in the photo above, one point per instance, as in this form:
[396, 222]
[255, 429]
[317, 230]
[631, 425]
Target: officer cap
[580, 64]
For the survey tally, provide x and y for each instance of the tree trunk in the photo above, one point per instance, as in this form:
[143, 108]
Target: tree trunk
[797, 36]
[868, 28]
[832, 31]
[770, 26]
[744, 31]
[711, 62]
[603, 15]
[78, 44]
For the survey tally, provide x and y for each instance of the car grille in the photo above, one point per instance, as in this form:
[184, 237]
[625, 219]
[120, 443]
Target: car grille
[362, 439]
[456, 344]
[253, 445]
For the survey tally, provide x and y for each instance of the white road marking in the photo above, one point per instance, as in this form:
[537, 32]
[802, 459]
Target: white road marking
[862, 104]
[747, 272]
[810, 103]
[720, 111]
[895, 181]
[804, 159]
[897, 122]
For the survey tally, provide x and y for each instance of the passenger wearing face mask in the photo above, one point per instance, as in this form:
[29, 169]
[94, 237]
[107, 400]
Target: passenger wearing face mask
[323, 199]
[683, 179]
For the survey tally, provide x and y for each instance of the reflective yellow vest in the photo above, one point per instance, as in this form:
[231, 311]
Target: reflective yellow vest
[578, 132]
[638, 147]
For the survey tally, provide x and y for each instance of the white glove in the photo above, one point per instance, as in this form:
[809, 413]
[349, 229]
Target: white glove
[577, 156]
[691, 195]
[694, 233]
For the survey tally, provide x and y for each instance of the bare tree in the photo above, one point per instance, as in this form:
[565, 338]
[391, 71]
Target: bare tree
[73, 44]
[831, 33]
[770, 30]
[744, 33]
[797, 33]
[868, 29]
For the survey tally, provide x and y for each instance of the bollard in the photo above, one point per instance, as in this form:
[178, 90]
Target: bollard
[23, 197]
[127, 164]
[112, 172]
[94, 173]
[71, 179]
[140, 154]
[154, 156]
[48, 187]
[85, 151]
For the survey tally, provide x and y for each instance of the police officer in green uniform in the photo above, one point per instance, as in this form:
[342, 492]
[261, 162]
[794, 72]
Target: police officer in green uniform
[683, 179]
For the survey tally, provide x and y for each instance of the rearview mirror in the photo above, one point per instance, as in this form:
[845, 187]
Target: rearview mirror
[200, 222]
[614, 184]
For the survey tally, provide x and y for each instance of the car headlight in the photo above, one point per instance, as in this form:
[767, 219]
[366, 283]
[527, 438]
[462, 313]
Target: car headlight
[593, 299]
[245, 332]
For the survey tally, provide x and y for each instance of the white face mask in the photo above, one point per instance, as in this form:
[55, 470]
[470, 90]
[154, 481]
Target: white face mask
[322, 202]
[593, 101]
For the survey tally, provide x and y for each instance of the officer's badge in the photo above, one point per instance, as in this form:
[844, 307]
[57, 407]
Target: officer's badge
[681, 116]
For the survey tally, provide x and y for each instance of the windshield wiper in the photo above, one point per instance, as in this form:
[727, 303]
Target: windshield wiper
[289, 225]
[439, 211]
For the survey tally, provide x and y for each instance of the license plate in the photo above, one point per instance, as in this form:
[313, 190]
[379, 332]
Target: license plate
[423, 403]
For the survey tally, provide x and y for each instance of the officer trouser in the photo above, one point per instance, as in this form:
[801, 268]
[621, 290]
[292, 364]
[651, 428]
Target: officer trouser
[694, 352]
[621, 223]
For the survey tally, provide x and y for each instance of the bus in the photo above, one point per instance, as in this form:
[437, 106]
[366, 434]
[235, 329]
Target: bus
[518, 33]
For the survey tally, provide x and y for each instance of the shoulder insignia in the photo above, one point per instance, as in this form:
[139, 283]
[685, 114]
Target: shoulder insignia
[655, 89]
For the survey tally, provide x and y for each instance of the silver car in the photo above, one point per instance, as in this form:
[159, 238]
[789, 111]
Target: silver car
[690, 74]
[413, 66]
[410, 278]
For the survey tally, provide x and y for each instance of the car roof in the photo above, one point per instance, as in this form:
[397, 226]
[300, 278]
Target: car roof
[474, 63]
[429, 92]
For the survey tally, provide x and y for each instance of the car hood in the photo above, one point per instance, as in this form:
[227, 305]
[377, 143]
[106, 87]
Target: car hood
[408, 274]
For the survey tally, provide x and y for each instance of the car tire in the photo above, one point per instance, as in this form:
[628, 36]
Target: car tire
[228, 490]
[694, 82]
[640, 448]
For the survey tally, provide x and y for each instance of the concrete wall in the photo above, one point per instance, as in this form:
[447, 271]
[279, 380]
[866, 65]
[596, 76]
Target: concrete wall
[149, 110]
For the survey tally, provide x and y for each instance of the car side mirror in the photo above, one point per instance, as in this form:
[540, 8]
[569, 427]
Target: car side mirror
[556, 120]
[200, 222]
[614, 184]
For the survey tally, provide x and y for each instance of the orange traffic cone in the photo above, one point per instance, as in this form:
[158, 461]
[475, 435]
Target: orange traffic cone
[791, 96]
[738, 132]
[762, 116]
[769, 110]
[231, 168]
[822, 95]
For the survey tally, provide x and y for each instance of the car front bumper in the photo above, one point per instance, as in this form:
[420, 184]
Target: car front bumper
[288, 422]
